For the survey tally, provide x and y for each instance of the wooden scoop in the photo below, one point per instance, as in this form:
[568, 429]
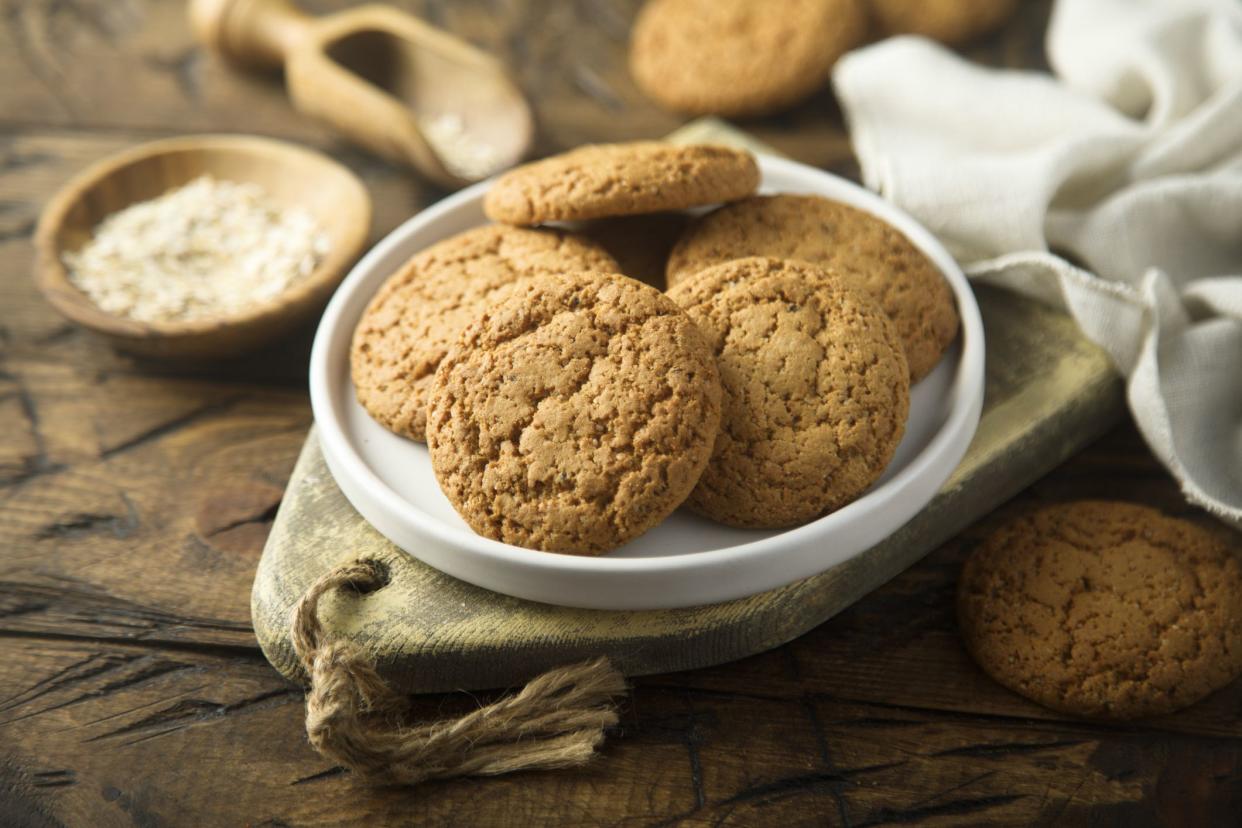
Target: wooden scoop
[403, 89]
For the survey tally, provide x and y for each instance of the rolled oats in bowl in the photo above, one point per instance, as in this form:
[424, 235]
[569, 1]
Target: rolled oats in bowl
[208, 249]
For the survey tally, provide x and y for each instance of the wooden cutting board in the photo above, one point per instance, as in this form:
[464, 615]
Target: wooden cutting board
[1049, 392]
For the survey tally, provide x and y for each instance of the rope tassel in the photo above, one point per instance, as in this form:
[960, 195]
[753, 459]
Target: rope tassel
[556, 721]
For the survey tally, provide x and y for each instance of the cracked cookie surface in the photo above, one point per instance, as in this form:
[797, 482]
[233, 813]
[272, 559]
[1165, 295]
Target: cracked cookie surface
[574, 415]
[1105, 609]
[738, 57]
[418, 312]
[816, 390]
[854, 243]
[602, 180]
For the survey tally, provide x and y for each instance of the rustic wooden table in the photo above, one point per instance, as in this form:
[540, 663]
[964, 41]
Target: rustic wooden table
[135, 499]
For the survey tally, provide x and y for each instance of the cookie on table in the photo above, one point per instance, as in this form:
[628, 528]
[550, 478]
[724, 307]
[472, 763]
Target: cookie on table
[1105, 609]
[739, 57]
[574, 416]
[855, 243]
[816, 390]
[602, 180]
[420, 310]
[949, 21]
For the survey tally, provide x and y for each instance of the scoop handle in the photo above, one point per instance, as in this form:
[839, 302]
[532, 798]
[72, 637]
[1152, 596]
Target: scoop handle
[258, 33]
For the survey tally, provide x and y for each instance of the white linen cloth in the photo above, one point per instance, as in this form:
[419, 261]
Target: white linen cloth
[1129, 161]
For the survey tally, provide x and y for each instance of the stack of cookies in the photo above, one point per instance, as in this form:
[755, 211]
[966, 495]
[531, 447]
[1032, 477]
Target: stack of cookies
[570, 408]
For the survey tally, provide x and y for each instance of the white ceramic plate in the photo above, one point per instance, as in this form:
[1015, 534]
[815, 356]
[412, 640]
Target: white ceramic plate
[686, 561]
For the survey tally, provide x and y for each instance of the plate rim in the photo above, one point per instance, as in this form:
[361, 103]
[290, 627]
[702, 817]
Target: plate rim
[948, 445]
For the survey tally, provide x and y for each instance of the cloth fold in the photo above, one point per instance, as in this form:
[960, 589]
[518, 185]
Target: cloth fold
[1112, 189]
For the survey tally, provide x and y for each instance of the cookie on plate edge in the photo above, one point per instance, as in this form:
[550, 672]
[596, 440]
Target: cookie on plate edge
[420, 310]
[603, 180]
[816, 390]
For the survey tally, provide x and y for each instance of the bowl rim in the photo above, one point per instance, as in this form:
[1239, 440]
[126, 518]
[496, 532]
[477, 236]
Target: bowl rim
[52, 276]
[947, 445]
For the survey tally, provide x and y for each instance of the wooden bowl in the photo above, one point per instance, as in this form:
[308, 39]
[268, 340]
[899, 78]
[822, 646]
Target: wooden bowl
[290, 175]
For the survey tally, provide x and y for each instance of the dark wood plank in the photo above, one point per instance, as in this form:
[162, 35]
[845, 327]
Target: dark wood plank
[874, 718]
[134, 500]
[67, 63]
[135, 497]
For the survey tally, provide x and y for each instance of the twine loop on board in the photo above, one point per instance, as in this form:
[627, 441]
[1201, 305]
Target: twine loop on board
[353, 716]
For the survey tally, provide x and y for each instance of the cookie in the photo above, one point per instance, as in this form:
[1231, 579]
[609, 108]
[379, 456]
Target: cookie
[421, 309]
[738, 57]
[575, 414]
[640, 244]
[816, 390]
[850, 241]
[949, 21]
[601, 180]
[1104, 609]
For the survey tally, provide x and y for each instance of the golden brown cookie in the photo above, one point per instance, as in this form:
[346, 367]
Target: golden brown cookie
[1105, 609]
[601, 180]
[850, 241]
[739, 57]
[816, 390]
[420, 310]
[949, 21]
[575, 415]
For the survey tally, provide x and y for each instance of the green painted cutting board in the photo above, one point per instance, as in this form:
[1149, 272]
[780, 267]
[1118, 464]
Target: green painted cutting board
[1049, 392]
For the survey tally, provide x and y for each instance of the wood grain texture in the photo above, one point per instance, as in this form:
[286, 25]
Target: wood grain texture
[135, 501]
[876, 717]
[67, 62]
